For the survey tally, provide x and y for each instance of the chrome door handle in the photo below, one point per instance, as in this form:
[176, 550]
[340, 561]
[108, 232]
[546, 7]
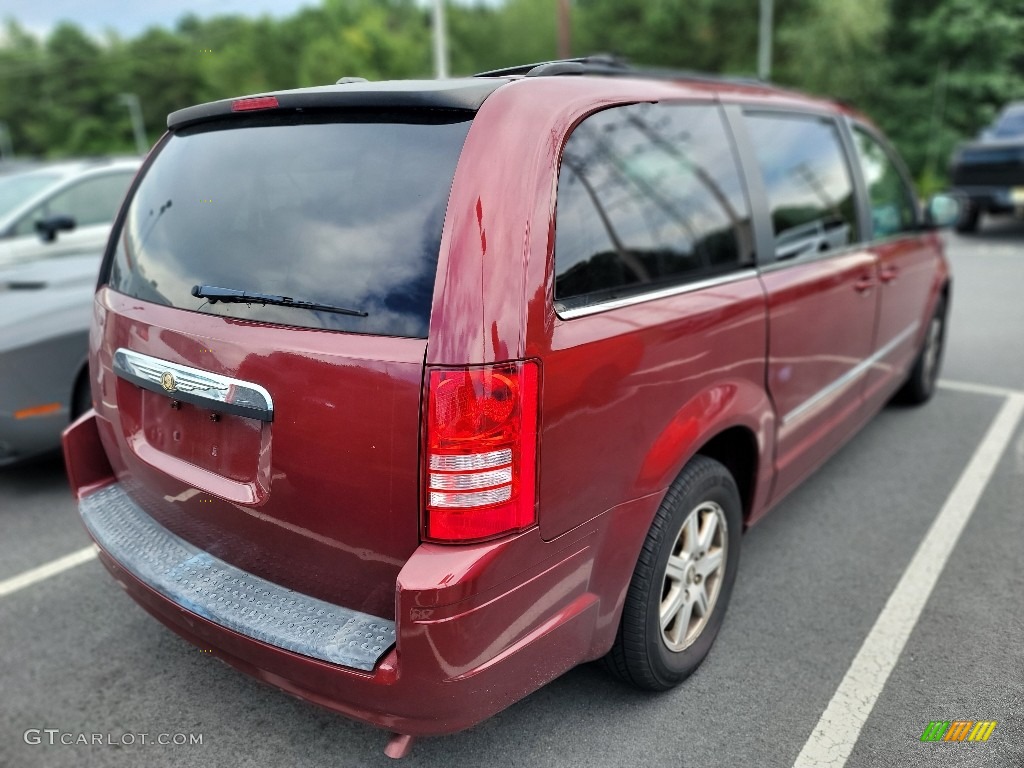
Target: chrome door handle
[888, 274]
[865, 283]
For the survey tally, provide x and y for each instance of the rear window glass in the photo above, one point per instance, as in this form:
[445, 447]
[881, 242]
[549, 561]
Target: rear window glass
[341, 210]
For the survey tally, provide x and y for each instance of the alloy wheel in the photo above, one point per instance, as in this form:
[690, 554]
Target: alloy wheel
[693, 575]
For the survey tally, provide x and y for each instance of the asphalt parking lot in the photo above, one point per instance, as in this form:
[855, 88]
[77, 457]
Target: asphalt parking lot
[848, 623]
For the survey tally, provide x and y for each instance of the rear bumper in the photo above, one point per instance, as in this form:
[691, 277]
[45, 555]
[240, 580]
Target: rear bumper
[226, 595]
[475, 631]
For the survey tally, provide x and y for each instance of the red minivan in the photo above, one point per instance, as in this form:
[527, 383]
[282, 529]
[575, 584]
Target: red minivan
[411, 396]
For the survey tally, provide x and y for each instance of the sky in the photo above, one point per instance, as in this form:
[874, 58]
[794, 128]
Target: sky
[130, 17]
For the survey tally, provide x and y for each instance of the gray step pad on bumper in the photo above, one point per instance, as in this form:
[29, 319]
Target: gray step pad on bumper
[229, 596]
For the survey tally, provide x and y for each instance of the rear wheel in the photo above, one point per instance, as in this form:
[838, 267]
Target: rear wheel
[683, 580]
[920, 384]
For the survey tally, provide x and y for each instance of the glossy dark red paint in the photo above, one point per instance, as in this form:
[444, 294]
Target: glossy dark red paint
[821, 316]
[326, 498]
[911, 275]
[331, 484]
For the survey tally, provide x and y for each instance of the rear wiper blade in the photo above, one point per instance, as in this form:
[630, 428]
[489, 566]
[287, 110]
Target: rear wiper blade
[234, 296]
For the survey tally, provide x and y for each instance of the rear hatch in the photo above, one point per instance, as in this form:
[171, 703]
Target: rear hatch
[281, 439]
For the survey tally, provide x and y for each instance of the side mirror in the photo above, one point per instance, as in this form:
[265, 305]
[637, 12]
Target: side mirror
[942, 210]
[51, 225]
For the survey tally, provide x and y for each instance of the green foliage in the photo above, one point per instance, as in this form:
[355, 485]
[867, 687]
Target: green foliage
[832, 47]
[708, 35]
[951, 65]
[929, 72]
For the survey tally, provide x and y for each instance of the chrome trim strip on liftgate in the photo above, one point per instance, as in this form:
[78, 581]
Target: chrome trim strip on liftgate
[850, 375]
[193, 385]
[219, 592]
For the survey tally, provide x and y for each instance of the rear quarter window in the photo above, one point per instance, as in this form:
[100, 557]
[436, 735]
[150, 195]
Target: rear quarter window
[649, 197]
[343, 209]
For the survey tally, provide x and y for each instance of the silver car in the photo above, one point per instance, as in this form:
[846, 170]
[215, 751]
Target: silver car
[45, 309]
[54, 223]
[61, 208]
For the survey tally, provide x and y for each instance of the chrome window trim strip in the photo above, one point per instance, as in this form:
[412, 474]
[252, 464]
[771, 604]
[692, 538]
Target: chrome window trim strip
[193, 385]
[850, 375]
[640, 298]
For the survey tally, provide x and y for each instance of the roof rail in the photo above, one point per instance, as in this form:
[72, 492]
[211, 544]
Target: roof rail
[599, 63]
[611, 65]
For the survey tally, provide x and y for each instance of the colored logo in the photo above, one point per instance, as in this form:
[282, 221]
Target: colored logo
[167, 381]
[959, 730]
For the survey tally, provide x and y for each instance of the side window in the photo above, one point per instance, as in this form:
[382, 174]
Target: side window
[27, 224]
[893, 207]
[807, 181]
[649, 197]
[93, 201]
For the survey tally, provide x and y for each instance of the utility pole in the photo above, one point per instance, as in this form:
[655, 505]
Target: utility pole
[564, 30]
[938, 114]
[440, 42]
[764, 43]
[131, 101]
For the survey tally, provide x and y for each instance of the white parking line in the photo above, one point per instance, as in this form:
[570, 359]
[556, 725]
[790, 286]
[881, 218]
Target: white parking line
[836, 733]
[46, 570]
[978, 389]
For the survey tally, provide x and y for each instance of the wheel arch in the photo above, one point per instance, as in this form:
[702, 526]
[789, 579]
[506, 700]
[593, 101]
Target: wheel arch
[732, 422]
[736, 448]
[80, 382]
[946, 290]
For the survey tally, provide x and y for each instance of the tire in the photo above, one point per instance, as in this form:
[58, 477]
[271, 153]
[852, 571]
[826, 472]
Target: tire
[81, 400]
[969, 219]
[920, 384]
[700, 517]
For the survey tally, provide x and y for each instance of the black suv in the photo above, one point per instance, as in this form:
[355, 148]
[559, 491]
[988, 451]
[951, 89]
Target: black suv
[989, 172]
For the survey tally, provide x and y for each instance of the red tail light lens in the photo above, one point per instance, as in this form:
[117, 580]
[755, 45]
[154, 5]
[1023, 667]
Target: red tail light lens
[481, 451]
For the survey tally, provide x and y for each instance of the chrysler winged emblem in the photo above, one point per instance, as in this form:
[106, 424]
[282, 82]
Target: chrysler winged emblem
[167, 381]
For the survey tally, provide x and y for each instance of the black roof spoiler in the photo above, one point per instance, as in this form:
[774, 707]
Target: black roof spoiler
[459, 94]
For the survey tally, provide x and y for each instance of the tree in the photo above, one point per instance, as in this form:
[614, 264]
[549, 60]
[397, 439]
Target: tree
[77, 94]
[948, 69]
[930, 72]
[22, 69]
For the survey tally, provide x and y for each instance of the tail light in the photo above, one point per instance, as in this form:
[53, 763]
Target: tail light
[255, 102]
[481, 451]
